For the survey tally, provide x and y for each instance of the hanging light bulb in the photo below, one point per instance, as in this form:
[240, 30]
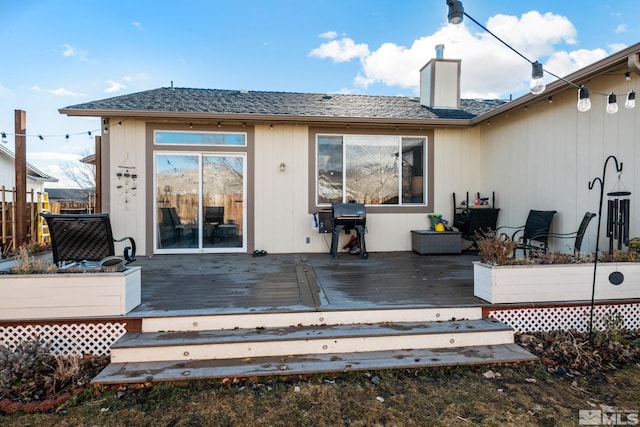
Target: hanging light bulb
[612, 103]
[4, 137]
[631, 100]
[584, 103]
[456, 11]
[537, 85]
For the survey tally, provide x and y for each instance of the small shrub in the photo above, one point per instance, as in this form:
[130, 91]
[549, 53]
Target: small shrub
[32, 248]
[24, 364]
[498, 250]
[495, 249]
[620, 256]
[26, 264]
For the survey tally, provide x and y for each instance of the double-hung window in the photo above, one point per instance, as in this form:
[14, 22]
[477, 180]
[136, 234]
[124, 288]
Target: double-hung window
[371, 169]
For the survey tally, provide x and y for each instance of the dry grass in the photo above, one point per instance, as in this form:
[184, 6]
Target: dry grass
[514, 395]
[498, 250]
[26, 264]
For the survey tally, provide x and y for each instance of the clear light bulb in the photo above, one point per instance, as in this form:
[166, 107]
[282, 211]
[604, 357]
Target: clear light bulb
[612, 104]
[584, 103]
[631, 100]
[537, 85]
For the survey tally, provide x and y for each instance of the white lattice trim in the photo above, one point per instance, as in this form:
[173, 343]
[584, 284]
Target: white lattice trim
[523, 320]
[67, 339]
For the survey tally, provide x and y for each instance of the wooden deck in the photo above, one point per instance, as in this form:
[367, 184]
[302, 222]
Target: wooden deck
[240, 283]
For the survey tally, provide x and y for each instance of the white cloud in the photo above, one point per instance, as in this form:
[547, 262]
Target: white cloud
[328, 35]
[622, 28]
[117, 85]
[616, 47]
[137, 25]
[73, 52]
[563, 63]
[57, 92]
[342, 50]
[489, 68]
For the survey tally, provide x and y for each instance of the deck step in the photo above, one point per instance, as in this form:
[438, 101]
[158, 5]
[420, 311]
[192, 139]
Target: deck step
[175, 370]
[302, 340]
[205, 322]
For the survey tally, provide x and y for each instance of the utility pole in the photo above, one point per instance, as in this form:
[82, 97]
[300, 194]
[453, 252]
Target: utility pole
[20, 196]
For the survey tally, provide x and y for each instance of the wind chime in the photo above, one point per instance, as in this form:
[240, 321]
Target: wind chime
[618, 215]
[126, 179]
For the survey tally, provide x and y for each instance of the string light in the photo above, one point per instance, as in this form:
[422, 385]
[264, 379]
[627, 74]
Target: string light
[537, 85]
[612, 104]
[584, 103]
[44, 137]
[631, 100]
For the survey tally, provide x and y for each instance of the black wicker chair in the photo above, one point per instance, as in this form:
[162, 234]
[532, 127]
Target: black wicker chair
[84, 237]
[535, 232]
[578, 234]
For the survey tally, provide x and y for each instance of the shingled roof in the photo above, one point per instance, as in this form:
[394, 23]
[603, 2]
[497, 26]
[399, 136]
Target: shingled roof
[283, 105]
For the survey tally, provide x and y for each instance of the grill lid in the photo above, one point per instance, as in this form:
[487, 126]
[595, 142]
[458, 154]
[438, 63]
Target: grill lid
[351, 210]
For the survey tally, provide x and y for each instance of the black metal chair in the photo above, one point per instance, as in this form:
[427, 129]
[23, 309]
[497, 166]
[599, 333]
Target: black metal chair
[472, 222]
[535, 232]
[578, 234]
[84, 237]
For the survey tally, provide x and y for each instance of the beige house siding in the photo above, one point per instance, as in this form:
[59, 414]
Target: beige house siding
[543, 156]
[128, 213]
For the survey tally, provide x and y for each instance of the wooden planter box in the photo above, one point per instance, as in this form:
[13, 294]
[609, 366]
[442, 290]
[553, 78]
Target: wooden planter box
[551, 283]
[69, 295]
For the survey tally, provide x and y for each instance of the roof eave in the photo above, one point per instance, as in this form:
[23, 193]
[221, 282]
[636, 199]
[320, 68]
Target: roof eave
[578, 77]
[267, 118]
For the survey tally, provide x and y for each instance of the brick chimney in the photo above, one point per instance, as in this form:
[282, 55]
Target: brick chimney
[440, 82]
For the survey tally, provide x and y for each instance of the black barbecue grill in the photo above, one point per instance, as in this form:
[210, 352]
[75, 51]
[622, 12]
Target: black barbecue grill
[349, 216]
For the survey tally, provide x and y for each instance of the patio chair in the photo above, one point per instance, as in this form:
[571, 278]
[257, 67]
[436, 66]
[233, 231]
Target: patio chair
[535, 232]
[169, 226]
[578, 234]
[477, 221]
[213, 218]
[84, 237]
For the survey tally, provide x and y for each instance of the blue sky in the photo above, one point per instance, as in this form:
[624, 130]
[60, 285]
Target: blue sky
[60, 53]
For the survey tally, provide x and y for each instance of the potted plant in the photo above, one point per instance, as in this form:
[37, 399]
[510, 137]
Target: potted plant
[551, 277]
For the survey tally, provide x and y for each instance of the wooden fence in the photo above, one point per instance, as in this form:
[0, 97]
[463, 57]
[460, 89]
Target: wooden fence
[37, 203]
[7, 218]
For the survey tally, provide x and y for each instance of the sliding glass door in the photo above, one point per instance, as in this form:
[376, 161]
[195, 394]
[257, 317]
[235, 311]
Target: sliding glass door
[199, 200]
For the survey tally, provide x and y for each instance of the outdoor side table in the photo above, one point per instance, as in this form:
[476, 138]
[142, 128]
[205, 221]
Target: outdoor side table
[427, 242]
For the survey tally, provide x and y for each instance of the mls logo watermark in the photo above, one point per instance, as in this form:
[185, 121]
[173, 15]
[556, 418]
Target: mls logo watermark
[597, 417]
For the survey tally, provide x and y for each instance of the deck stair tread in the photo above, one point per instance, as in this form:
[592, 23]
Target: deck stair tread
[304, 333]
[121, 373]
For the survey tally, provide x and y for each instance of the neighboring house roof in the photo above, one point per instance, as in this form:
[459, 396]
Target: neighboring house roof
[283, 106]
[90, 159]
[69, 194]
[32, 172]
